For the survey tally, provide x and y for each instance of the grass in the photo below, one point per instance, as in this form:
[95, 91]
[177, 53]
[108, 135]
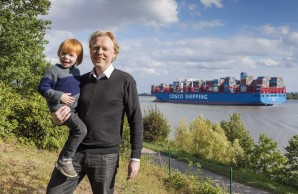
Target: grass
[27, 170]
[149, 180]
[24, 170]
[240, 175]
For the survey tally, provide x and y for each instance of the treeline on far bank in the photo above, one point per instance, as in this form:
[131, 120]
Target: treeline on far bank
[292, 96]
[219, 146]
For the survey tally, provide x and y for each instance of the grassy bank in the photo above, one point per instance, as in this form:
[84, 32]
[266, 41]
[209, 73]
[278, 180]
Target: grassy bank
[243, 176]
[24, 169]
[27, 170]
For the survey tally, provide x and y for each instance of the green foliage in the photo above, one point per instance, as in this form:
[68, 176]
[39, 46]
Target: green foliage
[8, 100]
[267, 159]
[236, 130]
[292, 163]
[125, 144]
[192, 183]
[28, 118]
[35, 126]
[292, 96]
[202, 138]
[22, 63]
[292, 153]
[22, 32]
[156, 127]
[243, 175]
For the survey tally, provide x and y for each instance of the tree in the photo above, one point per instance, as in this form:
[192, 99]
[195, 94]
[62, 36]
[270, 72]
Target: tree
[267, 158]
[292, 153]
[22, 32]
[8, 100]
[292, 163]
[156, 126]
[203, 138]
[236, 130]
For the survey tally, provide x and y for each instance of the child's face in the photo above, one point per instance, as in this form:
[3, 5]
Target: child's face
[67, 59]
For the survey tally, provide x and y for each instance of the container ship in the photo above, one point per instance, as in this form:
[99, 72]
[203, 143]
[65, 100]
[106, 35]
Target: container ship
[262, 91]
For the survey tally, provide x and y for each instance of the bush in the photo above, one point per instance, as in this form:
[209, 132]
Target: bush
[292, 162]
[35, 126]
[235, 130]
[28, 118]
[202, 138]
[156, 127]
[267, 158]
[190, 182]
[8, 100]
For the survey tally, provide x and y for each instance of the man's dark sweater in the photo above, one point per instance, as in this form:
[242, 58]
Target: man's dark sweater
[102, 107]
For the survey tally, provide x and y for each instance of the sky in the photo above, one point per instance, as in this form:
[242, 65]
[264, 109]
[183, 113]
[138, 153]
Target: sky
[163, 40]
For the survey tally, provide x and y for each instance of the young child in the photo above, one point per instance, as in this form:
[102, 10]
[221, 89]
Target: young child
[60, 86]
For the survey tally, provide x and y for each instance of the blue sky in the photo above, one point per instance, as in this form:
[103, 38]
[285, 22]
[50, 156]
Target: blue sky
[162, 40]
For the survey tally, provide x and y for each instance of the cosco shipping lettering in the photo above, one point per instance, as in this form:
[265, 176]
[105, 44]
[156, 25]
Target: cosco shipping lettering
[262, 91]
[188, 96]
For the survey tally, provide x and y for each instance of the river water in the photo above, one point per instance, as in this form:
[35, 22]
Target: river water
[279, 122]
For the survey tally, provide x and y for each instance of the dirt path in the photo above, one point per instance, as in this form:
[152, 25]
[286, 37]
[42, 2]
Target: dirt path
[218, 179]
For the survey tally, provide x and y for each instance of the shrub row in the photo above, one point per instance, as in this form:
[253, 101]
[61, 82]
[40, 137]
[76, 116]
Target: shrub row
[28, 118]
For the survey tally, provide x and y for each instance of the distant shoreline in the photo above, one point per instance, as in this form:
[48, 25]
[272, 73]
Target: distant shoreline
[145, 94]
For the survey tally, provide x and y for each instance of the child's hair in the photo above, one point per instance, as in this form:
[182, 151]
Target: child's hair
[72, 46]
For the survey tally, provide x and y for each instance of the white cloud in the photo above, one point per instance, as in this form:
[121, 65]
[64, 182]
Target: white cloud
[247, 62]
[268, 62]
[195, 54]
[292, 39]
[210, 3]
[192, 7]
[271, 30]
[207, 24]
[102, 14]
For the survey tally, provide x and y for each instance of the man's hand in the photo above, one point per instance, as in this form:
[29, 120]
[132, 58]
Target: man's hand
[66, 98]
[61, 115]
[133, 169]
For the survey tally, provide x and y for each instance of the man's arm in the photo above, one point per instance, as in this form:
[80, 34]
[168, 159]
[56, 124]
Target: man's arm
[135, 121]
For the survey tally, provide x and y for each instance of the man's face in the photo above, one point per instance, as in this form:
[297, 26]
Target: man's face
[102, 53]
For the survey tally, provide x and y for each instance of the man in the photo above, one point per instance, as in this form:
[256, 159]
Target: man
[107, 94]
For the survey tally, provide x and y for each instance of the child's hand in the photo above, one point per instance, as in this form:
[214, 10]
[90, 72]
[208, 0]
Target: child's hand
[67, 99]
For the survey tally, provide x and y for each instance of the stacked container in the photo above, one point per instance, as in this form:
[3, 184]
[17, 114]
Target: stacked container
[229, 84]
[276, 82]
[210, 85]
[245, 82]
[197, 84]
[215, 85]
[263, 84]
